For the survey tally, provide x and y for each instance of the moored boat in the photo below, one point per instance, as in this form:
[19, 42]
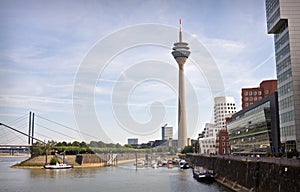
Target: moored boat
[170, 164]
[183, 164]
[203, 175]
[58, 166]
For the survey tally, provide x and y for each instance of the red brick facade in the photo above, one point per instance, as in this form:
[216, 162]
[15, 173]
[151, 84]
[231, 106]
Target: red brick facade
[251, 95]
[223, 143]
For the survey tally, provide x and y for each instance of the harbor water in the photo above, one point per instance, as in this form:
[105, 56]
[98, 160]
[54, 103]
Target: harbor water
[125, 178]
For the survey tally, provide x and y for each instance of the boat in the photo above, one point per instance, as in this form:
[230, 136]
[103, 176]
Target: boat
[154, 165]
[58, 166]
[140, 163]
[203, 175]
[183, 164]
[170, 164]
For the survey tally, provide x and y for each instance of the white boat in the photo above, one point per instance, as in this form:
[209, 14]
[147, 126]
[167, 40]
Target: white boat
[154, 165]
[183, 164]
[58, 166]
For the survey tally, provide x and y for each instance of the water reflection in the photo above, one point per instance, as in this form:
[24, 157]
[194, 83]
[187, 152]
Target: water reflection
[124, 178]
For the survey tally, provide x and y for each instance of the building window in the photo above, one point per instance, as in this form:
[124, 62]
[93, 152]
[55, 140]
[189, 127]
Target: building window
[250, 92]
[266, 92]
[246, 93]
[259, 92]
[254, 93]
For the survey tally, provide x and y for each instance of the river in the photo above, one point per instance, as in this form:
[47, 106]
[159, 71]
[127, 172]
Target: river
[123, 178]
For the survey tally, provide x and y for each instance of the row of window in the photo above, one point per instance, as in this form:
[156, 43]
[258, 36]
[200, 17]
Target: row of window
[285, 75]
[270, 6]
[282, 41]
[286, 117]
[283, 64]
[287, 88]
[221, 108]
[273, 19]
[228, 104]
[286, 102]
[247, 104]
[252, 98]
[283, 52]
[246, 93]
[287, 131]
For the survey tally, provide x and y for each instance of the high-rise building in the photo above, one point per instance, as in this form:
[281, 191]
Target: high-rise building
[181, 53]
[224, 107]
[166, 132]
[283, 20]
[254, 94]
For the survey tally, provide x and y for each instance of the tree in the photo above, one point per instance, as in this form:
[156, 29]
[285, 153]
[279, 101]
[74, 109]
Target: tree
[187, 149]
[76, 144]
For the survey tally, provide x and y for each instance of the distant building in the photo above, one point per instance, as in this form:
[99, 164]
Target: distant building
[210, 130]
[166, 132]
[223, 143]
[207, 145]
[251, 95]
[255, 129]
[283, 20]
[224, 107]
[133, 141]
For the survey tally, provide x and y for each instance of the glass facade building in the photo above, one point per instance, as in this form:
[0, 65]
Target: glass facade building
[283, 20]
[255, 129]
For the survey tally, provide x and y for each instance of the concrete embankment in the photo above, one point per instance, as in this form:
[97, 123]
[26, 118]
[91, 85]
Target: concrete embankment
[251, 175]
[81, 160]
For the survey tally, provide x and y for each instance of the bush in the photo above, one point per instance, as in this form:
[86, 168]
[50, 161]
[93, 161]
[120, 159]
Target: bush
[53, 161]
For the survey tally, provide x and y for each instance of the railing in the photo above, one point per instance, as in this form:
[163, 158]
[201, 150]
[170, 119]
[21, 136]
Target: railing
[277, 160]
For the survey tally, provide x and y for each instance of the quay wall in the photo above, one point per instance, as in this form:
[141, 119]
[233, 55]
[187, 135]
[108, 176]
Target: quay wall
[251, 174]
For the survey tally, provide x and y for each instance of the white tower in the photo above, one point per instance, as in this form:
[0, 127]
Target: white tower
[181, 53]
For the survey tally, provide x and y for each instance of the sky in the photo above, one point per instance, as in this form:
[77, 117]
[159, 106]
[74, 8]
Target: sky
[103, 70]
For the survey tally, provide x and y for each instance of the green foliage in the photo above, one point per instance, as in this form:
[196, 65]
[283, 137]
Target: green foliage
[187, 149]
[53, 161]
[37, 149]
[128, 146]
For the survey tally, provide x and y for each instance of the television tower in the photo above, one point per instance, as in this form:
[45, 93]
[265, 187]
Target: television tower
[181, 53]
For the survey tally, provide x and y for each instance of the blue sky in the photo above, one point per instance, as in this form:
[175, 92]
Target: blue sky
[45, 45]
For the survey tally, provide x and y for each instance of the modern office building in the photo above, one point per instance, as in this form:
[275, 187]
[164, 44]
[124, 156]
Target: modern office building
[181, 53]
[283, 20]
[255, 129]
[251, 95]
[224, 107]
[166, 132]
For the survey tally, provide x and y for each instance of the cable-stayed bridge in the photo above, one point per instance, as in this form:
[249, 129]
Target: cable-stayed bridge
[23, 131]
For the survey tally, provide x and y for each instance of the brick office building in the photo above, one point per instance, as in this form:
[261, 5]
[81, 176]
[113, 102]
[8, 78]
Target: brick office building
[251, 95]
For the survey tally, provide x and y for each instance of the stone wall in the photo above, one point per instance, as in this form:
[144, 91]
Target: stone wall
[252, 175]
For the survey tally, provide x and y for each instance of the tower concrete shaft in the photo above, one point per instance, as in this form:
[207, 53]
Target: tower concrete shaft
[181, 53]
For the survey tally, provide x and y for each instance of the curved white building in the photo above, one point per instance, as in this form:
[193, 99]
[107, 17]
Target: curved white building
[224, 107]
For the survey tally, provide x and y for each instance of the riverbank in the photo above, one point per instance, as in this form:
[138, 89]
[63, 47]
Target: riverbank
[90, 161]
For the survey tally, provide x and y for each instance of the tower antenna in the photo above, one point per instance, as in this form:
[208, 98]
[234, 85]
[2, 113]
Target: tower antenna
[180, 30]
